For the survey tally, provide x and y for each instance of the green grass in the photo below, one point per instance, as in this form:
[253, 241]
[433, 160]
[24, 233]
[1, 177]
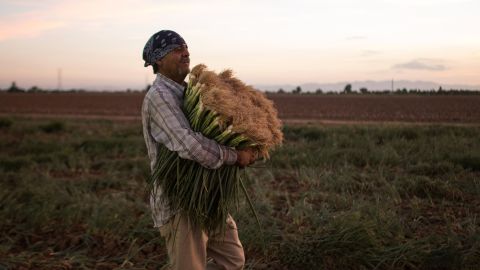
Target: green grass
[72, 195]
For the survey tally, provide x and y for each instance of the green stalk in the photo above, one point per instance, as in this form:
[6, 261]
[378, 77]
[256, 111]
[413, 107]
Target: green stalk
[213, 127]
[238, 140]
[192, 97]
[250, 204]
[223, 137]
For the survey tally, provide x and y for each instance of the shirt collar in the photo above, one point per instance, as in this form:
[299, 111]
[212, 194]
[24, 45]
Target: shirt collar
[176, 87]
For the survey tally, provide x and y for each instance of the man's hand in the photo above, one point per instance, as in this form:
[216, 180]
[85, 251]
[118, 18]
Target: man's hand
[246, 157]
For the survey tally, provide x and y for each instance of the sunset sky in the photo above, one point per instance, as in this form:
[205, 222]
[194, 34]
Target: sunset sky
[98, 44]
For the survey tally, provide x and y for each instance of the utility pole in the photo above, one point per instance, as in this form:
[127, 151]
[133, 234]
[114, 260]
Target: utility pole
[59, 79]
[392, 85]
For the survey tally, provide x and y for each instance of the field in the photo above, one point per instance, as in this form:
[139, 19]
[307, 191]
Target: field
[356, 196]
[292, 108]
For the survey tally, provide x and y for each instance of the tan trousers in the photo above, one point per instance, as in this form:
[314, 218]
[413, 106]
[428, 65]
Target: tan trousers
[188, 247]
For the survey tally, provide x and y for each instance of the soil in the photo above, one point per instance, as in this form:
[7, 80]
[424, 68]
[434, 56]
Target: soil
[296, 109]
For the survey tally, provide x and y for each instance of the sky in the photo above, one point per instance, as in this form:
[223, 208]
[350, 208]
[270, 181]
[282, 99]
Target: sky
[98, 44]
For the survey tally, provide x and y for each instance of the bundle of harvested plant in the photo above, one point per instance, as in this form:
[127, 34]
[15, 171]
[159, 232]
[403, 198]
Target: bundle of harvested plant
[226, 110]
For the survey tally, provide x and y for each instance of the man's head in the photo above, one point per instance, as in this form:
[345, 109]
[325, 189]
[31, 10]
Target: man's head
[167, 53]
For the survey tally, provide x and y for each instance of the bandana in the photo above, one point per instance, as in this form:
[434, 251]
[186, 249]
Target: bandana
[160, 44]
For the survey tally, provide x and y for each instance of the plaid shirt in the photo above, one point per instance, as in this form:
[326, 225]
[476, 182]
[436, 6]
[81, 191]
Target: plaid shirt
[164, 123]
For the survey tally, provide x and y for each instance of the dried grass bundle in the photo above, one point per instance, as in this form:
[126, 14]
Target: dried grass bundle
[247, 110]
[222, 108]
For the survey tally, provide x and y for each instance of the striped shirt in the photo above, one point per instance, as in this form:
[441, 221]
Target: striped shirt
[164, 123]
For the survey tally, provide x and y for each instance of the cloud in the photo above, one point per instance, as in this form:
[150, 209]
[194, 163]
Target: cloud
[425, 64]
[356, 37]
[28, 19]
[26, 28]
[366, 53]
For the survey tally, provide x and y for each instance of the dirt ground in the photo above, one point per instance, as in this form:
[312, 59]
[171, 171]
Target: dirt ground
[299, 109]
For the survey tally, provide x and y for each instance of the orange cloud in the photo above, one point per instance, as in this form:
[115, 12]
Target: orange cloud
[26, 28]
[60, 14]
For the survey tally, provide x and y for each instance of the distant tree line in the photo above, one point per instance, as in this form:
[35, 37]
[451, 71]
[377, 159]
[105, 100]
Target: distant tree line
[34, 89]
[364, 91]
[296, 91]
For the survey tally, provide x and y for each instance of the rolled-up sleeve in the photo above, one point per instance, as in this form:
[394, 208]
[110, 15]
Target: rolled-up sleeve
[169, 126]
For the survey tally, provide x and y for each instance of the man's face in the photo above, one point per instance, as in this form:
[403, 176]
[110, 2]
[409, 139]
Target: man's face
[176, 64]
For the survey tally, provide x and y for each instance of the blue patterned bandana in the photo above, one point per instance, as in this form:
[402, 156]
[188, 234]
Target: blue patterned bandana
[160, 44]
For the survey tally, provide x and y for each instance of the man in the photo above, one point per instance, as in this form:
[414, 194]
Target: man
[164, 123]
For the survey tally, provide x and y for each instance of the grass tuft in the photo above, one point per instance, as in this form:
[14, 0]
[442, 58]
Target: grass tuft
[53, 127]
[5, 123]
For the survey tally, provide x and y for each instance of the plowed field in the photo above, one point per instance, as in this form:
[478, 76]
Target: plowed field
[291, 108]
